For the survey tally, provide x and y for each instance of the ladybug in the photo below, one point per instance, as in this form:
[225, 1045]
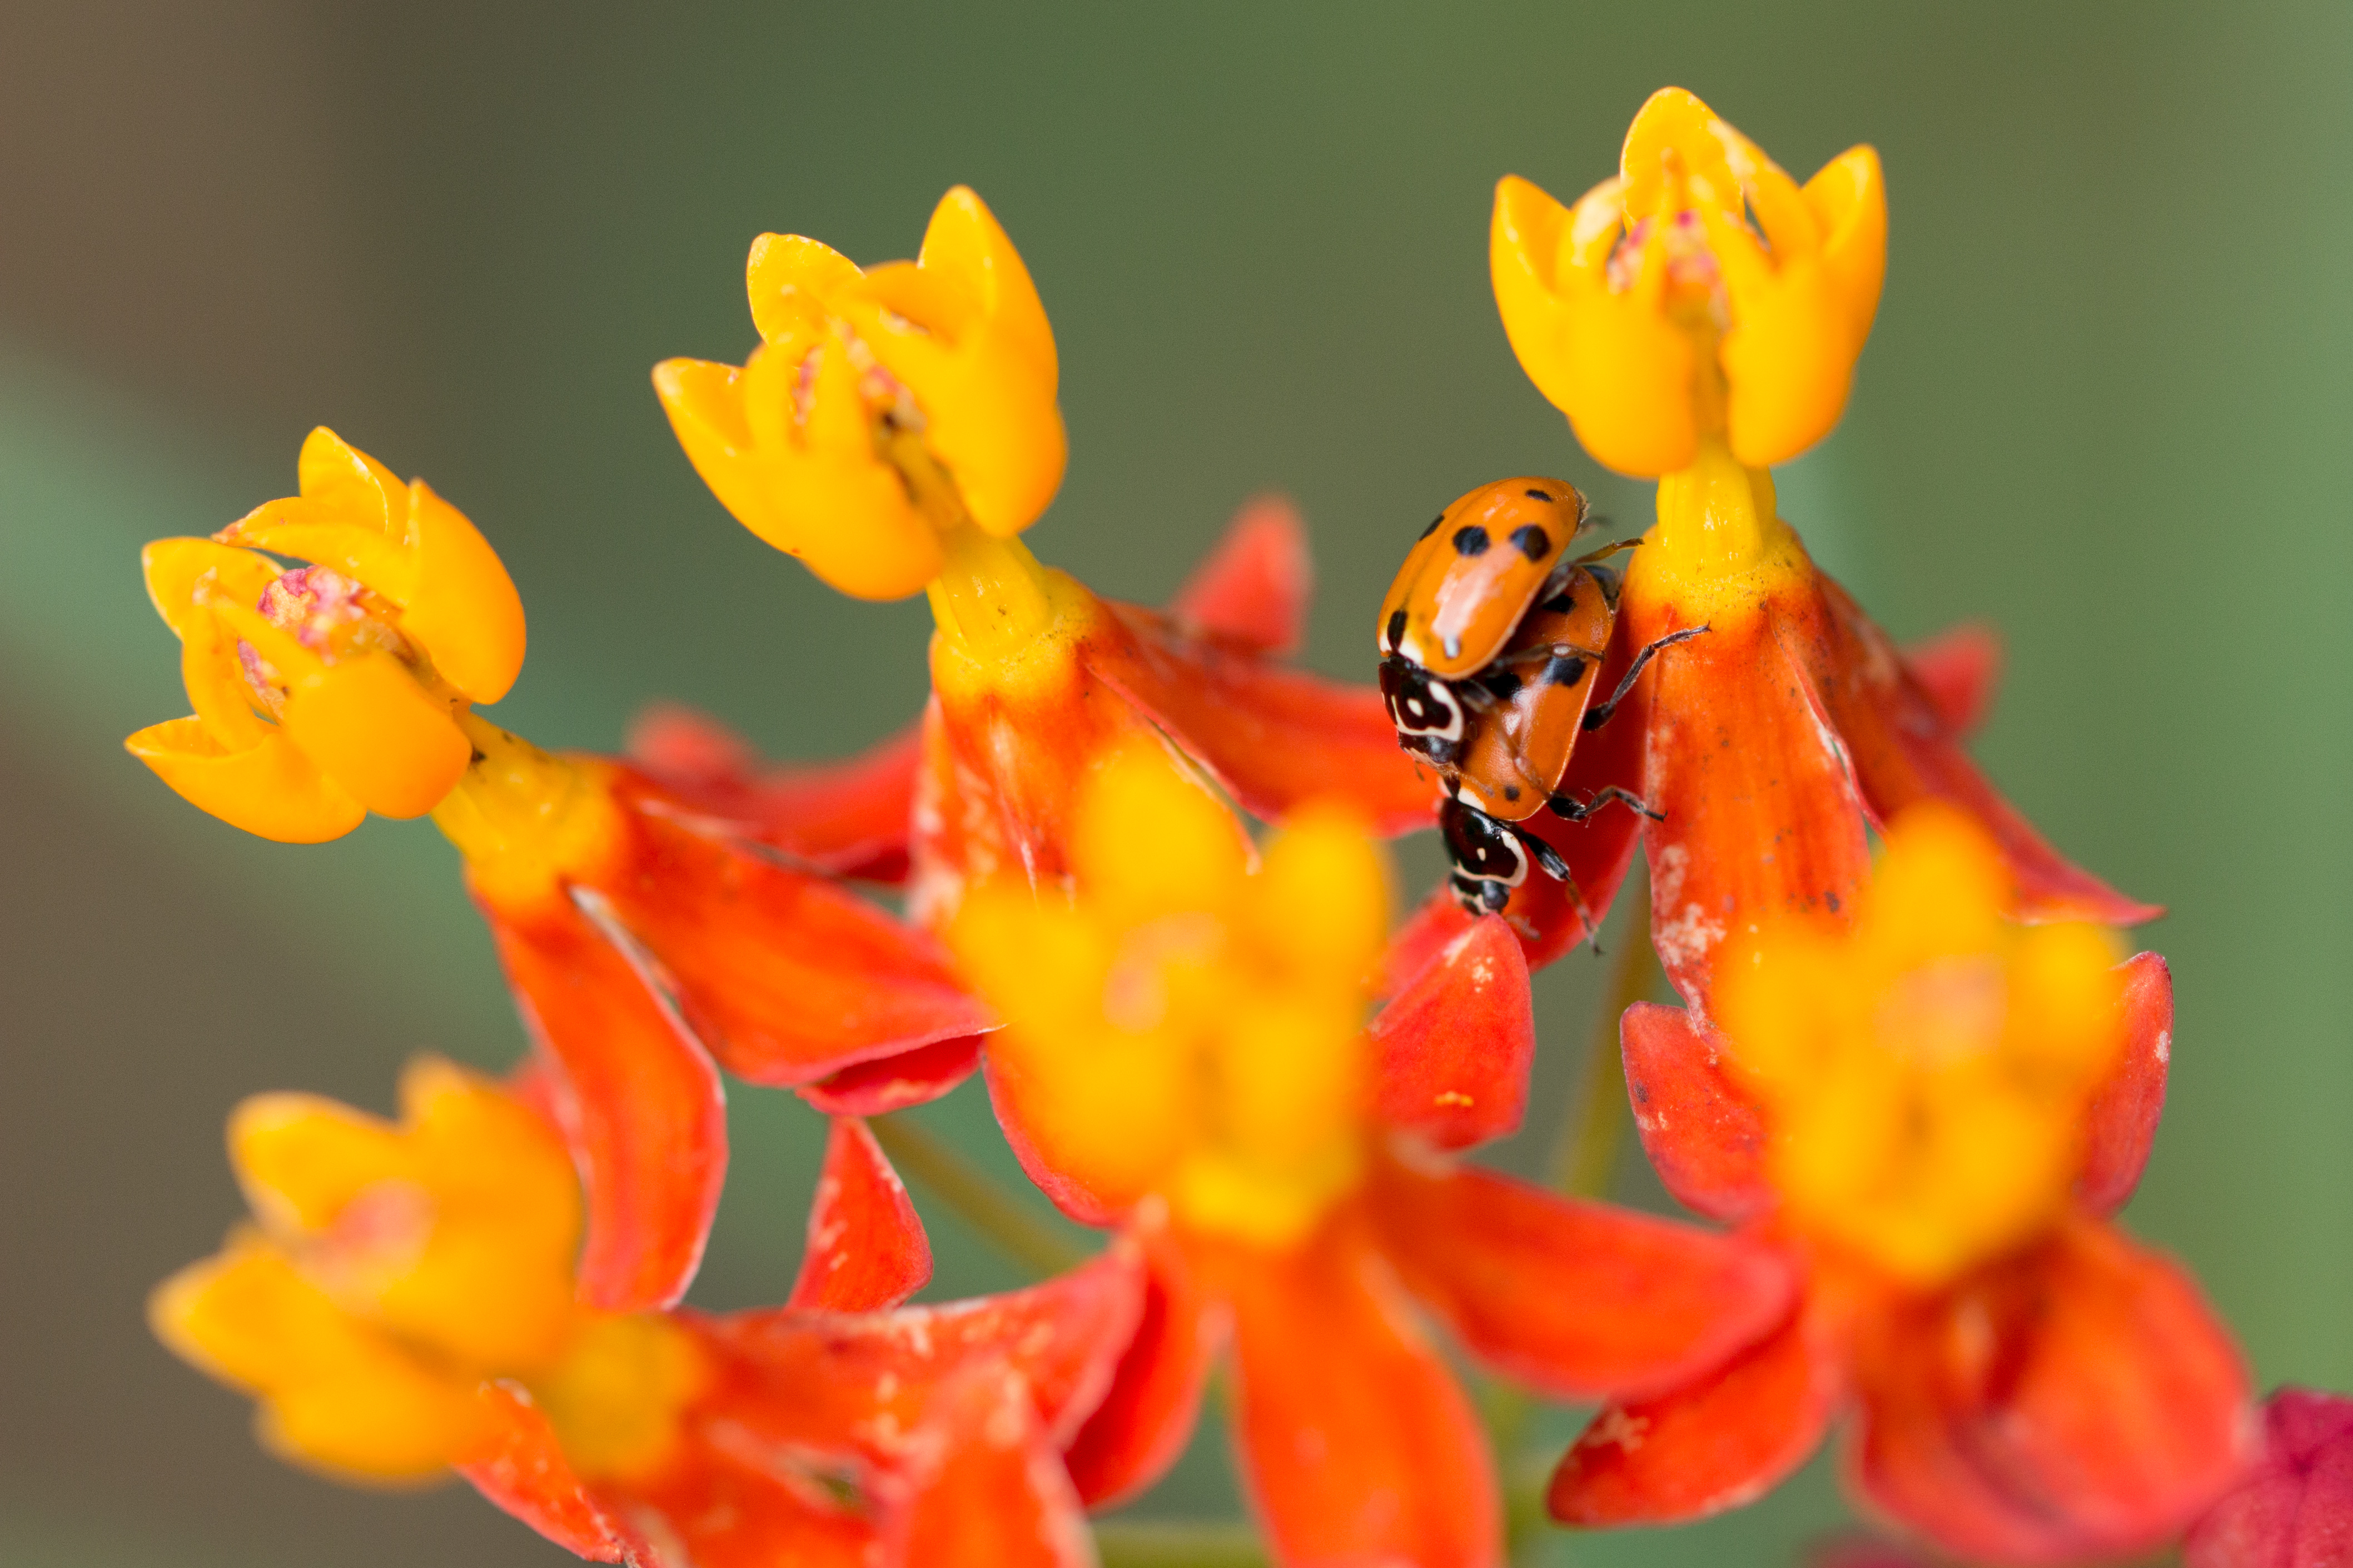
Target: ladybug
[1492, 638]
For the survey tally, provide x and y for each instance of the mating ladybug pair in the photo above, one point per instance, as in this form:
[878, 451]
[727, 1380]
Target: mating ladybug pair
[1491, 640]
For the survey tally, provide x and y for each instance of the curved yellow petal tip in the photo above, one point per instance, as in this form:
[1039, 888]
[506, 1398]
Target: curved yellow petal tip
[885, 408]
[270, 789]
[1699, 292]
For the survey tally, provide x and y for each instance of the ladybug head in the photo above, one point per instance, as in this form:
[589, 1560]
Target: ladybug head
[1475, 572]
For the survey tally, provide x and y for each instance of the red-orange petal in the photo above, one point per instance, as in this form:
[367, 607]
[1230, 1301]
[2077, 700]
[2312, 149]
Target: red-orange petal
[1703, 1136]
[866, 1248]
[987, 1490]
[1575, 1298]
[850, 818]
[2294, 1509]
[1763, 818]
[1904, 750]
[894, 1083]
[1717, 1443]
[1253, 589]
[1143, 1422]
[2078, 1402]
[788, 976]
[639, 1102]
[1354, 1444]
[524, 1472]
[725, 1502]
[859, 1384]
[1275, 737]
[1451, 1052]
[1958, 670]
[2120, 1124]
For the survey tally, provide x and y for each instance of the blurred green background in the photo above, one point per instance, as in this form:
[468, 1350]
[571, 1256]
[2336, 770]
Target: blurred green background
[2106, 408]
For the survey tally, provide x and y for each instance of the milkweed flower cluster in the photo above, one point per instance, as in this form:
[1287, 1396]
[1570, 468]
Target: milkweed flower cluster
[1910, 1092]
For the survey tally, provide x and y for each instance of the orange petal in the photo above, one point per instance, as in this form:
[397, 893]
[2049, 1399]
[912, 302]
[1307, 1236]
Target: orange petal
[1275, 738]
[1141, 1426]
[894, 1083]
[1905, 752]
[1451, 1053]
[1958, 669]
[1703, 1136]
[988, 1491]
[1575, 1298]
[520, 1468]
[1253, 589]
[268, 788]
[850, 818]
[1714, 1444]
[2078, 1402]
[2120, 1123]
[866, 1250]
[786, 976]
[1743, 761]
[638, 1099]
[1003, 763]
[1075, 1198]
[1354, 1444]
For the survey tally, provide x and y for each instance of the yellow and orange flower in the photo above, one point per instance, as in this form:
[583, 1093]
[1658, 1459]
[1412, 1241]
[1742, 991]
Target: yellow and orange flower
[1936, 1112]
[404, 1307]
[1186, 1036]
[896, 431]
[645, 937]
[887, 412]
[1687, 341]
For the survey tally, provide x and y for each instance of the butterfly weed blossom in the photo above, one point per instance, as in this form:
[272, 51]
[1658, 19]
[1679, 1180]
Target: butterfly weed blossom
[1912, 1095]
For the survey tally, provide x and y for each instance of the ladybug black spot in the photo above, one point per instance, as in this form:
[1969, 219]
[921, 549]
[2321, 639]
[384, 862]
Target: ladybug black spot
[1511, 792]
[1539, 495]
[1533, 542]
[1425, 532]
[1560, 603]
[1396, 627]
[1560, 671]
[1504, 683]
[1471, 541]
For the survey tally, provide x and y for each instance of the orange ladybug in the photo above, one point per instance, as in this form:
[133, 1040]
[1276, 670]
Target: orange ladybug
[1492, 638]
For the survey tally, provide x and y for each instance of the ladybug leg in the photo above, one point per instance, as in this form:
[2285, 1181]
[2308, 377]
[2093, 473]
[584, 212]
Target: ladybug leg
[1597, 716]
[1577, 810]
[1546, 858]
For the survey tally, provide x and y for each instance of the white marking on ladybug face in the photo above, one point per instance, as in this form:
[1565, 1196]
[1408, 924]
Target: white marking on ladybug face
[1463, 790]
[1427, 706]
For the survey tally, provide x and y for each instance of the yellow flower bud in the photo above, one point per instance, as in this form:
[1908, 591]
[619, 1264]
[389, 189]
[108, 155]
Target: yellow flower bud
[1702, 293]
[885, 408]
[329, 691]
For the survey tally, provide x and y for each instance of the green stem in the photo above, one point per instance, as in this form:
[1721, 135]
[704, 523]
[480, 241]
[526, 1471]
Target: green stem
[1001, 1218]
[1177, 1543]
[1585, 1151]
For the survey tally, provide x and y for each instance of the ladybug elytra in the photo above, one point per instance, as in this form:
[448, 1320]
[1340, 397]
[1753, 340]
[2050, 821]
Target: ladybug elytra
[1492, 638]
